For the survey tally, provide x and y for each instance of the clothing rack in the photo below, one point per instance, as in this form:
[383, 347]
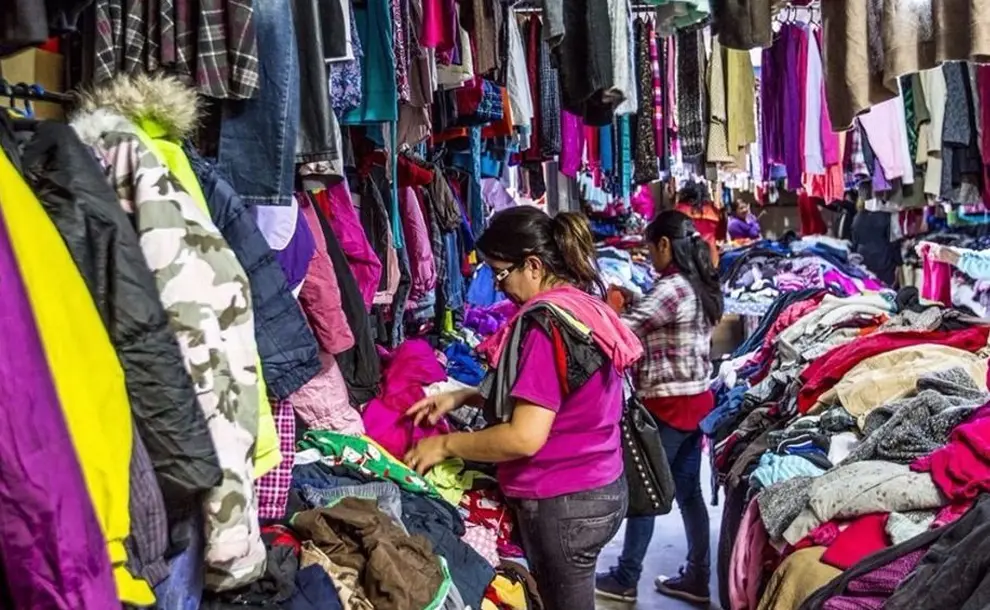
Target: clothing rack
[525, 8]
[24, 91]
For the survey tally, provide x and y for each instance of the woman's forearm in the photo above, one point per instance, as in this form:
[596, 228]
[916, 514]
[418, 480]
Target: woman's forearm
[499, 443]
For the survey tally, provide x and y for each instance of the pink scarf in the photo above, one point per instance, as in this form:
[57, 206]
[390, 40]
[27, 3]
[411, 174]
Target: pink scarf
[620, 345]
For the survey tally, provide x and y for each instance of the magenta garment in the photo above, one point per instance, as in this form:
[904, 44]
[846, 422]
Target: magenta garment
[834, 278]
[584, 449]
[746, 564]
[572, 143]
[51, 545]
[961, 469]
[419, 248]
[406, 371]
[655, 74]
[438, 30]
[343, 217]
[936, 283]
[793, 110]
[983, 85]
[320, 294]
[642, 202]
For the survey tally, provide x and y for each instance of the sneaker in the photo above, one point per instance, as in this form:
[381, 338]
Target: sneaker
[687, 587]
[608, 587]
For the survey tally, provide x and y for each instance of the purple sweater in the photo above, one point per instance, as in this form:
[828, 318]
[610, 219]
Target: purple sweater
[744, 229]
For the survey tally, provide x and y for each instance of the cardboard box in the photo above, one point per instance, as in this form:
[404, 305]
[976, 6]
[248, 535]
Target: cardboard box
[727, 336]
[35, 66]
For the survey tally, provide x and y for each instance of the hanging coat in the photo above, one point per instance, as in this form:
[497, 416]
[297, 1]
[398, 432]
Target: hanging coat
[207, 296]
[359, 365]
[87, 374]
[106, 251]
[320, 294]
[53, 570]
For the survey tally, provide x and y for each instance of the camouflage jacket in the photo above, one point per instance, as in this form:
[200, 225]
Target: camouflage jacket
[206, 294]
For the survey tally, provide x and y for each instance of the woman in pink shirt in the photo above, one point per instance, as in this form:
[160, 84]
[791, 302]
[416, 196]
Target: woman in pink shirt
[557, 439]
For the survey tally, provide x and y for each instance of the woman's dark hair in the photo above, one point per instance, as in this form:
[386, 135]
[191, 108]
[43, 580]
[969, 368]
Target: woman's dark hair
[690, 193]
[693, 258]
[563, 243]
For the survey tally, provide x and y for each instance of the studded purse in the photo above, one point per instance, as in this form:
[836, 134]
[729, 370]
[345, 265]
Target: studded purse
[651, 484]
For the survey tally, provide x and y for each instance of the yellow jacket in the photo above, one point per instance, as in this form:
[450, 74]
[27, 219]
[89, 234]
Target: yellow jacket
[87, 374]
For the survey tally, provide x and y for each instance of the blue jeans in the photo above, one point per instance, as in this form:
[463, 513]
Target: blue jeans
[684, 454]
[257, 152]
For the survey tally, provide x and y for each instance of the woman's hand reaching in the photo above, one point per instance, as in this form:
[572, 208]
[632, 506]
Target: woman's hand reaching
[427, 453]
[432, 408]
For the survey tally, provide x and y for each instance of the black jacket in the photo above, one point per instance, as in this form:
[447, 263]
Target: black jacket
[288, 349]
[359, 365]
[68, 181]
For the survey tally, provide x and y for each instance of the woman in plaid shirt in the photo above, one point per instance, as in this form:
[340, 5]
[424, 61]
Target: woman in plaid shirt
[675, 322]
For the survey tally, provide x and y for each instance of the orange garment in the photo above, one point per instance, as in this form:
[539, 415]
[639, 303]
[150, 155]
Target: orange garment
[706, 218]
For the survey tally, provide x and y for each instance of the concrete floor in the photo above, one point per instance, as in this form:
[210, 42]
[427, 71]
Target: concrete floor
[667, 551]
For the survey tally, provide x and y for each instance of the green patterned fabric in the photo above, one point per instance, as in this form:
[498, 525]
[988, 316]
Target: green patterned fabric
[365, 456]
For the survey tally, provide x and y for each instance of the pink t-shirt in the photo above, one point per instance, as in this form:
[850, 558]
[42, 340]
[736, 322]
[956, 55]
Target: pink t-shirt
[584, 450]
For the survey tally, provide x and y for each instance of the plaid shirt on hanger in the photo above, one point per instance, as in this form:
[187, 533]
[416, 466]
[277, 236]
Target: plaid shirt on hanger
[227, 49]
[214, 48]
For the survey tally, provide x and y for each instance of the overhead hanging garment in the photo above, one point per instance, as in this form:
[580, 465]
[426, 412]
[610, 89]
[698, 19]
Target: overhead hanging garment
[740, 89]
[718, 135]
[742, 24]
[872, 43]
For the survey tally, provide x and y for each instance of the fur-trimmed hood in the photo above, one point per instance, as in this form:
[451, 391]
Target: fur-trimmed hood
[162, 100]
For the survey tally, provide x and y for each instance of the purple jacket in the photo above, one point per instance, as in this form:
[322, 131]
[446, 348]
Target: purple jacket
[49, 535]
[744, 229]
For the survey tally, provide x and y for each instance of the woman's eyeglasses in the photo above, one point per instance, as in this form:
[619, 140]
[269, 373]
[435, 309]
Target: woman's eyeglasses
[504, 273]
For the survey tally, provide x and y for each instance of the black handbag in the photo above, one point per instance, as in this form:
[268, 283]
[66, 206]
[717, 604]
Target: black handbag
[651, 484]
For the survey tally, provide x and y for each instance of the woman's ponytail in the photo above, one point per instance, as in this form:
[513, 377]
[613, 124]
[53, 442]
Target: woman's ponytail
[707, 285]
[563, 243]
[572, 235]
[692, 256]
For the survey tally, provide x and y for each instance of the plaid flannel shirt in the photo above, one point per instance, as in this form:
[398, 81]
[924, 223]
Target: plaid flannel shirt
[676, 340]
[210, 44]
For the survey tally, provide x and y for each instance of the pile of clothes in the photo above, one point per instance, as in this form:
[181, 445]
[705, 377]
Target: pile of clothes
[363, 531]
[941, 282]
[754, 275]
[851, 436]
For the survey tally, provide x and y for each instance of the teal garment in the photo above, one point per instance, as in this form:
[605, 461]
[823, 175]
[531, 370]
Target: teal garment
[625, 156]
[380, 100]
[606, 152]
[681, 13]
[976, 264]
[775, 468]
